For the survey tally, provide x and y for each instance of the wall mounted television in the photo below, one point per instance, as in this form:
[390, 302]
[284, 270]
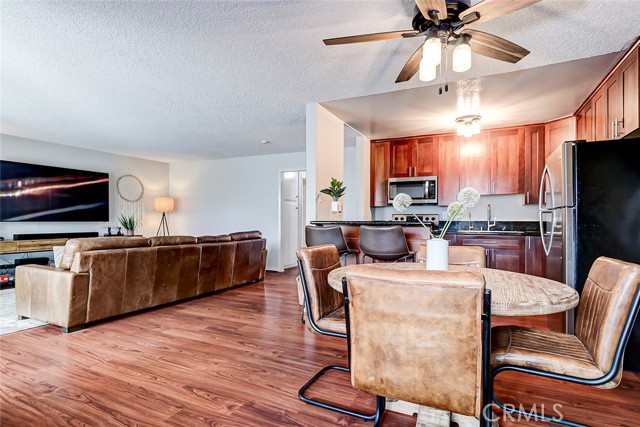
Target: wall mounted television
[31, 192]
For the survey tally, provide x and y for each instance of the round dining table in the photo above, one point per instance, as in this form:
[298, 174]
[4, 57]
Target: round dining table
[512, 294]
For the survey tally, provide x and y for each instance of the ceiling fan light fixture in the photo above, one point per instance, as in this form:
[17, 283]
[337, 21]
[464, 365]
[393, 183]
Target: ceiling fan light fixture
[432, 51]
[461, 57]
[475, 126]
[468, 126]
[427, 71]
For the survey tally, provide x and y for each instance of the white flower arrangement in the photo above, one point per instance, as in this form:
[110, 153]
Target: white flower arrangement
[467, 198]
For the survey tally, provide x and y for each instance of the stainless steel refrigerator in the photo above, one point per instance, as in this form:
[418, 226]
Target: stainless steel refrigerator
[590, 203]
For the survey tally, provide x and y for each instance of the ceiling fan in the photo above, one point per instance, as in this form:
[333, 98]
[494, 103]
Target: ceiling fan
[443, 22]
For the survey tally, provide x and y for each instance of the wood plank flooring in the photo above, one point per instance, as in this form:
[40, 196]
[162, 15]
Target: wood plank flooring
[236, 358]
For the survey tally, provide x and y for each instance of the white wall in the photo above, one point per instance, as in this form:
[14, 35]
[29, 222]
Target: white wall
[154, 176]
[227, 195]
[324, 159]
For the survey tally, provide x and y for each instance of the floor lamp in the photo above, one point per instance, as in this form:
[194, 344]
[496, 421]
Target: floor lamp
[164, 205]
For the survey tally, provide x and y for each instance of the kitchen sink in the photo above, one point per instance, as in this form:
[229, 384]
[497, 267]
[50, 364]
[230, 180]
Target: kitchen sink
[510, 232]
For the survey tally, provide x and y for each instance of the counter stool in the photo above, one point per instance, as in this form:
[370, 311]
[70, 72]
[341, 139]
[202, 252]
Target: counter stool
[386, 244]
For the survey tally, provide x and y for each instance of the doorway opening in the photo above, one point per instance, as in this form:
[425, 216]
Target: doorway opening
[292, 215]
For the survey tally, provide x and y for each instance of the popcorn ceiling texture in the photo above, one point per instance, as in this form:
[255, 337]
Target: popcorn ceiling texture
[180, 80]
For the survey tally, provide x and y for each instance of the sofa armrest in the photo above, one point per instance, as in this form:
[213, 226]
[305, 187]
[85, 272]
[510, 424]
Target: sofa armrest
[52, 295]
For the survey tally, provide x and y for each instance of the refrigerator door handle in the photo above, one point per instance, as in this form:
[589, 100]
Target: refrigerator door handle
[546, 173]
[541, 212]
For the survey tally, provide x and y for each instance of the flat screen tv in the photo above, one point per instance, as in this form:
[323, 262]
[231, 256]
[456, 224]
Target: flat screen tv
[31, 192]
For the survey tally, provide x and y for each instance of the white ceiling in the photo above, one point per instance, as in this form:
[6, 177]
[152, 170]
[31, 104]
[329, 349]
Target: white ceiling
[520, 97]
[177, 80]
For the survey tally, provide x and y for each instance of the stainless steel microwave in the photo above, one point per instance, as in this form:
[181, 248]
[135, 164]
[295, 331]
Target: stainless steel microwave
[422, 189]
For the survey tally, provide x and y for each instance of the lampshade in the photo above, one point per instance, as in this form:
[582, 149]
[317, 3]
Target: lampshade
[432, 51]
[461, 57]
[164, 204]
[427, 72]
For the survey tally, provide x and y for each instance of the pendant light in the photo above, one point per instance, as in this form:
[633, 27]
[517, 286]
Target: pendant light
[462, 56]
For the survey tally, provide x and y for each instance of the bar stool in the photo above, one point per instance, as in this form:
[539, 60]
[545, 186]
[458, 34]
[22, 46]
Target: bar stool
[315, 236]
[386, 244]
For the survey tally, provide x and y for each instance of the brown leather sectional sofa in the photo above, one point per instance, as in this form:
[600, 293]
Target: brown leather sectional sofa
[104, 277]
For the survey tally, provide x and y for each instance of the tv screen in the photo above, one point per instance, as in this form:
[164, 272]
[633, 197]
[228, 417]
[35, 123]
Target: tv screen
[45, 193]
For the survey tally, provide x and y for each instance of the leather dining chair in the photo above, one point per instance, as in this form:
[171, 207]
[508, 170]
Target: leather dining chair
[606, 313]
[420, 336]
[325, 308]
[386, 244]
[470, 256]
[315, 236]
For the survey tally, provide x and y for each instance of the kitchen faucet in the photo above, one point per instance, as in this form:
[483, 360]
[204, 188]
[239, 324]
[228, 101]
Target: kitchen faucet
[489, 224]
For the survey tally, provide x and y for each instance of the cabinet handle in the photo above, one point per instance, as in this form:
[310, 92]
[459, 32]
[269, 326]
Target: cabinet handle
[529, 242]
[527, 197]
[494, 188]
[489, 241]
[415, 172]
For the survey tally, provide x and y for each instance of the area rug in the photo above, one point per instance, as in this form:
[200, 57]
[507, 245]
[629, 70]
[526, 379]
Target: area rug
[8, 320]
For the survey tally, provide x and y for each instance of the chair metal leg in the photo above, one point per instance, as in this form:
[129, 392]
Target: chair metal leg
[527, 415]
[381, 402]
[364, 417]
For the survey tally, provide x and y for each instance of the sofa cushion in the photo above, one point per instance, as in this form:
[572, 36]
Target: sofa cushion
[172, 240]
[214, 239]
[73, 246]
[246, 235]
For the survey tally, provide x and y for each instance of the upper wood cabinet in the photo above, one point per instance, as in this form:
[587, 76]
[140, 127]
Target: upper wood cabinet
[448, 168]
[413, 157]
[507, 161]
[557, 132]
[492, 162]
[379, 173]
[534, 160]
[613, 110]
[475, 162]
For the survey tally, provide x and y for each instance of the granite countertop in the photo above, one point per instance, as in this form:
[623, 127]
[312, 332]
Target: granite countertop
[519, 228]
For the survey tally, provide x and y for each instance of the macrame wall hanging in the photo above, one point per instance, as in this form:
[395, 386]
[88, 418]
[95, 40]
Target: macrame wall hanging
[130, 192]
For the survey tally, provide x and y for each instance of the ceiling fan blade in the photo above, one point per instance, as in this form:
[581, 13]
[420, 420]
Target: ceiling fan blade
[491, 9]
[411, 67]
[370, 37]
[495, 47]
[426, 5]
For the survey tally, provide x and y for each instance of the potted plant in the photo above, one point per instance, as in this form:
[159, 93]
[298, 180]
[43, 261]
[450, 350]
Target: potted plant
[335, 190]
[128, 223]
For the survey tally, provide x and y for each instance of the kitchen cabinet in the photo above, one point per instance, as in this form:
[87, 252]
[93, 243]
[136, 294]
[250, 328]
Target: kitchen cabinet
[534, 161]
[492, 161]
[475, 162]
[539, 264]
[622, 98]
[379, 173]
[448, 168]
[613, 110]
[503, 252]
[507, 161]
[557, 132]
[413, 157]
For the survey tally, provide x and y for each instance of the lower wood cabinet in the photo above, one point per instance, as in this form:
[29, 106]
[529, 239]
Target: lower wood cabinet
[541, 265]
[503, 252]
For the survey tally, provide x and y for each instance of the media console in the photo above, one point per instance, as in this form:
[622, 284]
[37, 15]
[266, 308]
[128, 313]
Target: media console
[23, 243]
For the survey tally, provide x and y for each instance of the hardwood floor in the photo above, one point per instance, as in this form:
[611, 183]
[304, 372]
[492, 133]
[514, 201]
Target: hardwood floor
[232, 359]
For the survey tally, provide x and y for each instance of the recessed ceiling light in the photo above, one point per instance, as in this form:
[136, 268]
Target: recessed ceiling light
[265, 141]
